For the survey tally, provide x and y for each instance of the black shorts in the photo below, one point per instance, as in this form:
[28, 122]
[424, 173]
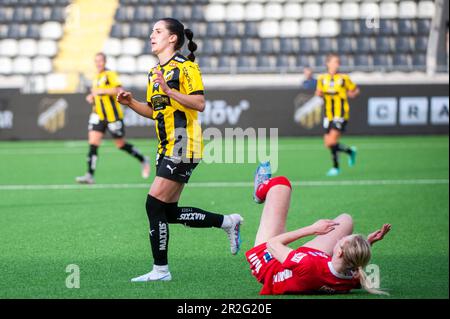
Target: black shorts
[175, 169]
[339, 124]
[116, 129]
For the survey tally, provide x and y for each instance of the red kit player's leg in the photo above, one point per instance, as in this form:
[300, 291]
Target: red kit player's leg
[274, 215]
[327, 242]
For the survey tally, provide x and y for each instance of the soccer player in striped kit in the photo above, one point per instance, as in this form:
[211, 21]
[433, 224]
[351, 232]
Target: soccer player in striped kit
[107, 115]
[175, 95]
[336, 88]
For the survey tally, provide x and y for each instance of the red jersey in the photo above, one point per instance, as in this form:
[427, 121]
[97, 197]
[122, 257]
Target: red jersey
[305, 270]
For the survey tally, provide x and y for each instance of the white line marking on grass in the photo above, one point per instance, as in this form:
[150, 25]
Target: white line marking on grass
[66, 150]
[231, 184]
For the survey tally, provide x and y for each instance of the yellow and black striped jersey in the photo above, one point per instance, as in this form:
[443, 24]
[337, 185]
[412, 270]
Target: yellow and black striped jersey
[334, 89]
[177, 126]
[106, 106]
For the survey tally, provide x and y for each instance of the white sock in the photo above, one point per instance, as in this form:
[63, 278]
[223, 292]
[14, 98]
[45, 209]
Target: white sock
[227, 221]
[164, 268]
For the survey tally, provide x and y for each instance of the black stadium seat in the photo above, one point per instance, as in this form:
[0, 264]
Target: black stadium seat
[421, 44]
[346, 45]
[308, 45]
[327, 45]
[403, 60]
[365, 45]
[289, 45]
[362, 60]
[423, 26]
[407, 27]
[269, 46]
[384, 44]
[234, 29]
[382, 60]
[250, 46]
[404, 44]
[349, 27]
[388, 27]
[251, 29]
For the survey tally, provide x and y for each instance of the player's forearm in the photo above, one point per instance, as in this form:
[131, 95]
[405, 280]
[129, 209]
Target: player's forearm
[195, 102]
[111, 91]
[141, 108]
[292, 236]
[277, 245]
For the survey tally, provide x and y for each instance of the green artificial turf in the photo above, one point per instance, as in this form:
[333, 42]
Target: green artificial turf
[105, 232]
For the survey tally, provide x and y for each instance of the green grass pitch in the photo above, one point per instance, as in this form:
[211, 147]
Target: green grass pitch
[104, 231]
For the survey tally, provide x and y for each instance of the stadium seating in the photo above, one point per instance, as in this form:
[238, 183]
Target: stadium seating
[267, 36]
[29, 34]
[233, 35]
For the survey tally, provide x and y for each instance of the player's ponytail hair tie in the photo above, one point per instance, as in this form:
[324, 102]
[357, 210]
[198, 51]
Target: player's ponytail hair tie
[192, 46]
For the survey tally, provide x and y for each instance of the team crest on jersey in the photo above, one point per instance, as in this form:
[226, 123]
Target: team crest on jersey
[173, 64]
[169, 75]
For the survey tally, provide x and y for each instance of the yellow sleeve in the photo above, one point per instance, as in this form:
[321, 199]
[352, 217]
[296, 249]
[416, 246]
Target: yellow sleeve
[350, 85]
[320, 83]
[192, 79]
[113, 79]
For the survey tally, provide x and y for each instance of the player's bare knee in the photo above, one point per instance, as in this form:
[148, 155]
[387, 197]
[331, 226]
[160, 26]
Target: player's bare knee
[345, 220]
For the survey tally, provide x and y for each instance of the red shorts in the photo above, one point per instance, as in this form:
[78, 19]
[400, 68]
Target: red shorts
[260, 261]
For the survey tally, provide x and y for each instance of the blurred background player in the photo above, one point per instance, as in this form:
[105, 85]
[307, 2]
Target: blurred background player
[309, 81]
[336, 89]
[330, 263]
[107, 115]
[175, 95]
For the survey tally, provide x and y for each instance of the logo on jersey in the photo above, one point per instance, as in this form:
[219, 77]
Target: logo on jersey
[179, 59]
[267, 257]
[256, 263]
[282, 276]
[169, 75]
[297, 258]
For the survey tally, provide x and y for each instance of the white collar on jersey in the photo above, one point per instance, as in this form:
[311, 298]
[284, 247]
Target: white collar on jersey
[335, 273]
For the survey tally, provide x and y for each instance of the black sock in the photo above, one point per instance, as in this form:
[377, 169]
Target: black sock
[192, 217]
[159, 230]
[344, 148]
[133, 151]
[335, 155]
[92, 159]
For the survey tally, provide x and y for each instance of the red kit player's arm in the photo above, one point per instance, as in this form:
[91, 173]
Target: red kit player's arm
[277, 246]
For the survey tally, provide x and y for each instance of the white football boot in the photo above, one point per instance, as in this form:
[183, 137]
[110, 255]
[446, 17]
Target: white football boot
[159, 273]
[85, 179]
[232, 226]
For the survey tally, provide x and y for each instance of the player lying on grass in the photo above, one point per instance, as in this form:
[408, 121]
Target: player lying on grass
[332, 262]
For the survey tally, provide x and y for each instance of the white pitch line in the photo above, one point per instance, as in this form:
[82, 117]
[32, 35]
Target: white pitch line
[230, 184]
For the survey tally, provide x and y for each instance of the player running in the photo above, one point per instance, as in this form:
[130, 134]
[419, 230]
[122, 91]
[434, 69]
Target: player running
[107, 115]
[336, 88]
[175, 95]
[330, 263]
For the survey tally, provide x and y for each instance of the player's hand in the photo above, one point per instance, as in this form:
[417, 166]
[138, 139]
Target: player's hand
[90, 99]
[323, 226]
[159, 78]
[124, 98]
[379, 234]
[353, 94]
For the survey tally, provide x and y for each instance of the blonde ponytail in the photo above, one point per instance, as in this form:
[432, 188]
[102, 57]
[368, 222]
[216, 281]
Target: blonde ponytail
[365, 284]
[356, 255]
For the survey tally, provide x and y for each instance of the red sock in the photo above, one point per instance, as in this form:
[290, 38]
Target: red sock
[265, 187]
